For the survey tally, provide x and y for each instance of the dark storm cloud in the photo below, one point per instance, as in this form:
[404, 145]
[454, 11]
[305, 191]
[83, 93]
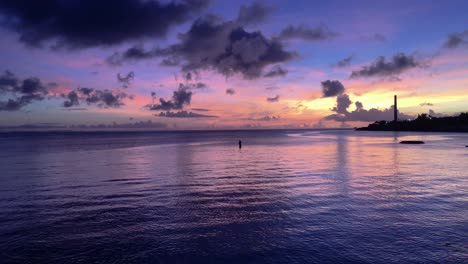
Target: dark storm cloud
[100, 98]
[90, 23]
[383, 68]
[344, 62]
[125, 80]
[32, 86]
[273, 99]
[253, 14]
[455, 40]
[184, 114]
[21, 92]
[276, 71]
[307, 33]
[213, 44]
[230, 91]
[180, 98]
[72, 100]
[342, 104]
[332, 88]
[7, 81]
[12, 104]
[106, 98]
[230, 49]
[360, 114]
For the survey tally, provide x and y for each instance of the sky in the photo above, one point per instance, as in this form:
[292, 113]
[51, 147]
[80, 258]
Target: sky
[200, 64]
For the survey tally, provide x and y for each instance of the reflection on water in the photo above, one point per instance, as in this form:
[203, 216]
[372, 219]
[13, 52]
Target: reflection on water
[286, 196]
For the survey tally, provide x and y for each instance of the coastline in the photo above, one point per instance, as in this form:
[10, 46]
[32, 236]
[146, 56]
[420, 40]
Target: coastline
[423, 123]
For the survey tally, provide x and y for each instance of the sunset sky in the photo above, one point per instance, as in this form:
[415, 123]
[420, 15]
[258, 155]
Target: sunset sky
[200, 64]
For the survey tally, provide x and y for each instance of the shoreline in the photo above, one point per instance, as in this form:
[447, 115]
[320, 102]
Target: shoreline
[423, 123]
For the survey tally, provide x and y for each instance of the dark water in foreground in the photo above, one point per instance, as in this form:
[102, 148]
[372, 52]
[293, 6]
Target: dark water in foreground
[286, 197]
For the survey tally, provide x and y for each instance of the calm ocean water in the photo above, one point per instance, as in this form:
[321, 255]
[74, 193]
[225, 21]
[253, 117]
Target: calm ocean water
[285, 197]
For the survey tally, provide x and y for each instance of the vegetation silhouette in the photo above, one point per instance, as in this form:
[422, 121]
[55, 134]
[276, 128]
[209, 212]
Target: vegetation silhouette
[423, 123]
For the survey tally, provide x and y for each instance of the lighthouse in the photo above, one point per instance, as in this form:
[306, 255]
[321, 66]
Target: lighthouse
[395, 110]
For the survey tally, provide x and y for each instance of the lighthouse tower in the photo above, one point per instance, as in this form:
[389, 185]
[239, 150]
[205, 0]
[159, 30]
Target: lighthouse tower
[395, 110]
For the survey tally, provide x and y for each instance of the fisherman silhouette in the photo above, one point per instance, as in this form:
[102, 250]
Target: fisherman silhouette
[240, 144]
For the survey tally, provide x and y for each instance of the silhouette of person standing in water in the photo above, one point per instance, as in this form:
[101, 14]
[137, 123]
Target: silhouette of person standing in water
[240, 144]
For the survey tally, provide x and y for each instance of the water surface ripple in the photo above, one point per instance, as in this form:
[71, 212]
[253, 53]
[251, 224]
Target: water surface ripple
[285, 197]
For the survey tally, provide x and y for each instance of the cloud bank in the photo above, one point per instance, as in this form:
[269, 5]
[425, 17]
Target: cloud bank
[398, 64]
[344, 62]
[90, 23]
[180, 98]
[213, 44]
[306, 33]
[20, 93]
[184, 114]
[101, 98]
[456, 40]
[332, 88]
[125, 80]
[360, 114]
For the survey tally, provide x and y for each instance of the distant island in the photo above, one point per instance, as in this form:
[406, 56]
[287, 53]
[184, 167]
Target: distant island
[423, 123]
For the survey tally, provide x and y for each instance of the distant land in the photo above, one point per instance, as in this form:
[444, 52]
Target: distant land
[423, 123]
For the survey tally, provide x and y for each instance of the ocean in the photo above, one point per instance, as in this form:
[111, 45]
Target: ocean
[288, 196]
